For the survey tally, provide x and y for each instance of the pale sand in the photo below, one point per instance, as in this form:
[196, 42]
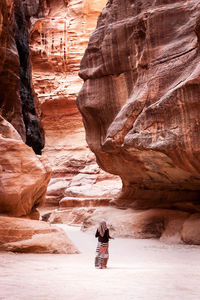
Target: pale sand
[137, 269]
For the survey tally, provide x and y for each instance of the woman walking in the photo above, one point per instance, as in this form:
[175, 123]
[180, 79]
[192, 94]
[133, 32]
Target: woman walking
[102, 254]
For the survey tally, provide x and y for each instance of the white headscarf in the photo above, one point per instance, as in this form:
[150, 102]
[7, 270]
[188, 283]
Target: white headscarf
[102, 228]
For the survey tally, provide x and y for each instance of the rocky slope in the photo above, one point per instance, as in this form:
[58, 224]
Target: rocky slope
[140, 100]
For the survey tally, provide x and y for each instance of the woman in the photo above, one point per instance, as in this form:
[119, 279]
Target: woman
[102, 255]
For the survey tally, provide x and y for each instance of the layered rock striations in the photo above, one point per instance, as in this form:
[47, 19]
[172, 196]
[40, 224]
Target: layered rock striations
[30, 236]
[24, 176]
[58, 41]
[140, 100]
[17, 103]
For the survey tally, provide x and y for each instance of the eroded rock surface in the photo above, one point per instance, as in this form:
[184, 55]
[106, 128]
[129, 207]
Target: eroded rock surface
[191, 232]
[28, 236]
[59, 32]
[17, 104]
[58, 41]
[167, 225]
[140, 100]
[23, 175]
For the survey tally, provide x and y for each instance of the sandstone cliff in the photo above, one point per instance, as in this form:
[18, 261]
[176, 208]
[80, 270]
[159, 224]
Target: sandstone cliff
[58, 41]
[140, 100]
[17, 103]
[24, 176]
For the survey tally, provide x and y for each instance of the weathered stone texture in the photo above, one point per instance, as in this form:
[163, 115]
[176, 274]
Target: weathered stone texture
[23, 175]
[58, 41]
[10, 103]
[17, 103]
[28, 236]
[140, 100]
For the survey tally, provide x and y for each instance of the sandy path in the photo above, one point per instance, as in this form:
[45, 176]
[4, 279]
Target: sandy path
[138, 269]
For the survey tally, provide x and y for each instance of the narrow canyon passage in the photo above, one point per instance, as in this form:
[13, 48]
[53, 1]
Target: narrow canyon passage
[137, 269]
[99, 124]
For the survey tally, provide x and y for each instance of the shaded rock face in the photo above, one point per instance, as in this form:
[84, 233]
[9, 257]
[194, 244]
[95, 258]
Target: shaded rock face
[22, 13]
[23, 176]
[17, 103]
[140, 100]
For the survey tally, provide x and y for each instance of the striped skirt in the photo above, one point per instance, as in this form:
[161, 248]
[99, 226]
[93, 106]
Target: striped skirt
[102, 255]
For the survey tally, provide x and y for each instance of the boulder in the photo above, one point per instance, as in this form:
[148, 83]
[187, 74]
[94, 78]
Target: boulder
[29, 236]
[191, 230]
[24, 176]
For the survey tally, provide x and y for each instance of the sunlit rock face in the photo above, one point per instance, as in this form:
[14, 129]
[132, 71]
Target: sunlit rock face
[140, 100]
[30, 236]
[17, 104]
[58, 41]
[23, 175]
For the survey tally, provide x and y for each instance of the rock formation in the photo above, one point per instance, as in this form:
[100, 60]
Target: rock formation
[170, 226]
[140, 100]
[28, 236]
[24, 176]
[58, 41]
[139, 105]
[17, 104]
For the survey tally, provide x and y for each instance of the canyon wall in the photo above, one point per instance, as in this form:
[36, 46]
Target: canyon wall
[17, 103]
[139, 105]
[140, 100]
[24, 176]
[58, 41]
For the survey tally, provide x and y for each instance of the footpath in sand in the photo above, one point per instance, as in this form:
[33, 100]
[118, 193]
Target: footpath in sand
[137, 269]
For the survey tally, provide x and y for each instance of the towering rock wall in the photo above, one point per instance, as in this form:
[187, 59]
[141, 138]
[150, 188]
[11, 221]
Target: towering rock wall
[58, 32]
[140, 100]
[58, 41]
[17, 104]
[10, 103]
[23, 175]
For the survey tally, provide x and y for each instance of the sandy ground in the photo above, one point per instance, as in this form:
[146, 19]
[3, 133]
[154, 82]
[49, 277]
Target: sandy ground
[137, 269]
